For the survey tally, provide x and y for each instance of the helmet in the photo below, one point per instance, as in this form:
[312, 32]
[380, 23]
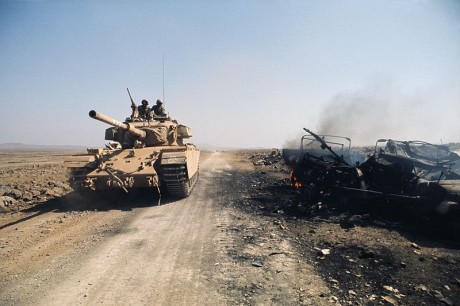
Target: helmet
[145, 102]
[159, 101]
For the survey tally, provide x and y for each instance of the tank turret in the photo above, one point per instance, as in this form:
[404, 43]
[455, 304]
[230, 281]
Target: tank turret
[159, 131]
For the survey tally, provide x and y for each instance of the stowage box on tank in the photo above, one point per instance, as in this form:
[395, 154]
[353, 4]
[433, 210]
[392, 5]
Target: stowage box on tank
[140, 153]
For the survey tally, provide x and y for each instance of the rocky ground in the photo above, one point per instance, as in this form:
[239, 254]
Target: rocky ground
[29, 178]
[364, 259]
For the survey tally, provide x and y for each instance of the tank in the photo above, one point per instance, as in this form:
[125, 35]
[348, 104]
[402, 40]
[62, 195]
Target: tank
[139, 154]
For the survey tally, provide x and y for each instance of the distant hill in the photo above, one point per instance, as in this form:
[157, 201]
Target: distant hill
[21, 146]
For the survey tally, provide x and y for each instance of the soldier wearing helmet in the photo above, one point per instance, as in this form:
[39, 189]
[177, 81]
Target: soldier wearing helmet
[158, 109]
[144, 110]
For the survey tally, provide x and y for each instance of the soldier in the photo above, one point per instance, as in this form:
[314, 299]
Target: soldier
[158, 109]
[144, 110]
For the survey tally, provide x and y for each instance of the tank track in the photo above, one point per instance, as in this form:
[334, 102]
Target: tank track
[176, 180]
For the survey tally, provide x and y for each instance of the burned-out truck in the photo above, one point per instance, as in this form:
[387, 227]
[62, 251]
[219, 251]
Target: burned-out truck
[414, 175]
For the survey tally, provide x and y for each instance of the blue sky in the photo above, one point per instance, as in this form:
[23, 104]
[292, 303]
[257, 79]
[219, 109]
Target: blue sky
[239, 73]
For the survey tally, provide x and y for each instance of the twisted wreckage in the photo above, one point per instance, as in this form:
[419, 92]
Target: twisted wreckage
[413, 176]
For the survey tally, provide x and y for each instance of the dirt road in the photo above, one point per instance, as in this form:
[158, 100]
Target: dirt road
[132, 253]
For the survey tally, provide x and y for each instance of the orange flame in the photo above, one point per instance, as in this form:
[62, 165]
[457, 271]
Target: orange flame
[294, 182]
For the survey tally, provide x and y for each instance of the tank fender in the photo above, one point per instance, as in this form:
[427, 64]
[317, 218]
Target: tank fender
[190, 157]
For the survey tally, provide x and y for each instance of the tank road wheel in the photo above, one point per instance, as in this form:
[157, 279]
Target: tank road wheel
[176, 180]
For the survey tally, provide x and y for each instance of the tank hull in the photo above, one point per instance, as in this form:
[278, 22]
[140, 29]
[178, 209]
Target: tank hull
[173, 167]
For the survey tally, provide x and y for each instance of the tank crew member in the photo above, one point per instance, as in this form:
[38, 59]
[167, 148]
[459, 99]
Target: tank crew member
[158, 109]
[144, 110]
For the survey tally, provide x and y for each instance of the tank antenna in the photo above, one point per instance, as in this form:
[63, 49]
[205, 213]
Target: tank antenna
[163, 78]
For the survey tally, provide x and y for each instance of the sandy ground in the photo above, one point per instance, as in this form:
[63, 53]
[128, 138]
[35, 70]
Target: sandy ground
[235, 241]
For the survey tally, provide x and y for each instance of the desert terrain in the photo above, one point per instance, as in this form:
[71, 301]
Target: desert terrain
[243, 237]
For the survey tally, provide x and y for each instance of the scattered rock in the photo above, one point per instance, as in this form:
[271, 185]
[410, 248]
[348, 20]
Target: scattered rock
[437, 294]
[27, 196]
[5, 202]
[15, 193]
[4, 190]
[257, 263]
[421, 287]
[390, 300]
[50, 192]
[389, 288]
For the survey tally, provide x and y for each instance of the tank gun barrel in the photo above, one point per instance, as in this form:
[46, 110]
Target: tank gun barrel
[122, 125]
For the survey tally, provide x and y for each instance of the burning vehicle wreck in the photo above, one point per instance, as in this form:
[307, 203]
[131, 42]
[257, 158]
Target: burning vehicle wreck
[413, 177]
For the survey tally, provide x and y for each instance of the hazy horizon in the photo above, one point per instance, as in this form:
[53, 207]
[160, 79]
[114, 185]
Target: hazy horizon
[241, 74]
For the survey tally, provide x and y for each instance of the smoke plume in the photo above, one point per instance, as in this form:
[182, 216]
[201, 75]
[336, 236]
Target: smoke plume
[378, 111]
